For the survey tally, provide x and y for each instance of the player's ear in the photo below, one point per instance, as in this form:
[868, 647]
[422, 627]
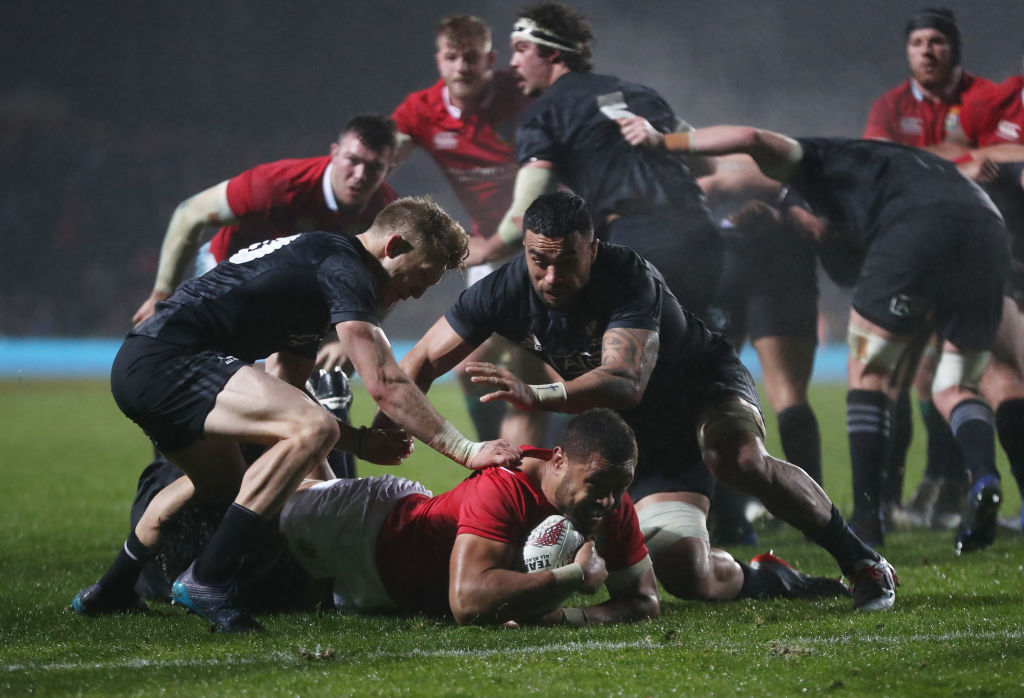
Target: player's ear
[396, 246]
[558, 458]
[335, 148]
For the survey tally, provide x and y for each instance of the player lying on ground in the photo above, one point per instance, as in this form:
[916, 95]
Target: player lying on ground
[603, 318]
[184, 376]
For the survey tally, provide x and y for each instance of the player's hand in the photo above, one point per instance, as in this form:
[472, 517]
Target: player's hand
[498, 453]
[385, 446]
[508, 387]
[331, 356]
[982, 171]
[149, 306]
[638, 131]
[594, 570]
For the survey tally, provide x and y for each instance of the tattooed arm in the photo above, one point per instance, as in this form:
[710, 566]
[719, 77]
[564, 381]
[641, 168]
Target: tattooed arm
[627, 360]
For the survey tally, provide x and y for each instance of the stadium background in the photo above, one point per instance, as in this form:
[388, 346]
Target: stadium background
[113, 112]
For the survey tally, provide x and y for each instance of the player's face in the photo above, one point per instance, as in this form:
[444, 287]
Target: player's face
[590, 490]
[358, 170]
[467, 68]
[930, 57]
[559, 267]
[533, 71]
[410, 274]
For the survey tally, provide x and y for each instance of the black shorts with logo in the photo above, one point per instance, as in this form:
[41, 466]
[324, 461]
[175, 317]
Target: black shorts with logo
[168, 389]
[937, 265]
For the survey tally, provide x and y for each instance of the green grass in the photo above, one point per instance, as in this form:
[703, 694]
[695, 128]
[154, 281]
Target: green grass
[68, 466]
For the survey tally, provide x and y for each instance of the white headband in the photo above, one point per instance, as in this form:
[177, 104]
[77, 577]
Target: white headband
[528, 30]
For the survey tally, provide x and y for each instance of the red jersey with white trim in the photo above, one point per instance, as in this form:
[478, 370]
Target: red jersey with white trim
[476, 151]
[282, 198]
[415, 542]
[996, 114]
[905, 115]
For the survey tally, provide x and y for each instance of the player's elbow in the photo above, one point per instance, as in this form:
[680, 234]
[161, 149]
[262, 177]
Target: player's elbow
[470, 609]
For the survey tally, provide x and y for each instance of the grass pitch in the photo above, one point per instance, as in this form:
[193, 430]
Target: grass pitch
[68, 466]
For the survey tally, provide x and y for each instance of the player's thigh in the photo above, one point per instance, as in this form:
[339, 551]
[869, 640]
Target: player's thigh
[256, 407]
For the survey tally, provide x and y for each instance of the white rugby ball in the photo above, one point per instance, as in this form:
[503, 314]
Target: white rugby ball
[554, 543]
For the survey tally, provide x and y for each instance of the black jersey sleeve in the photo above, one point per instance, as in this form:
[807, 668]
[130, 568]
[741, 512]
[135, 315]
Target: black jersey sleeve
[349, 289]
[638, 292]
[535, 137]
[498, 303]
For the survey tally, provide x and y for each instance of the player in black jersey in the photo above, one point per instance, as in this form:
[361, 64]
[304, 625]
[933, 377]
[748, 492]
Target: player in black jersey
[936, 255]
[645, 200]
[605, 321]
[185, 376]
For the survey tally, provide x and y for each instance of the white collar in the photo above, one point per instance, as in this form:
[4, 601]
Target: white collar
[452, 109]
[332, 203]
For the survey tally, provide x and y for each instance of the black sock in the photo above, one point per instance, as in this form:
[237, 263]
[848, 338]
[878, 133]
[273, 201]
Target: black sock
[902, 432]
[843, 544]
[759, 583]
[1010, 427]
[223, 555]
[972, 424]
[121, 576]
[943, 450]
[867, 424]
[801, 440]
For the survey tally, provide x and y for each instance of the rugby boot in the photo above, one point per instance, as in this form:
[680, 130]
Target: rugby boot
[216, 604]
[95, 600]
[978, 527]
[797, 585]
[874, 585]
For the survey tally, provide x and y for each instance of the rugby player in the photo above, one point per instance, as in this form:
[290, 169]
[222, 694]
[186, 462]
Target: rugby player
[923, 111]
[645, 200]
[184, 376]
[466, 123]
[605, 321]
[936, 256]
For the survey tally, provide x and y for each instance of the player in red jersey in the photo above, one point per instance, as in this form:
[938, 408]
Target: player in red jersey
[466, 122]
[341, 192]
[924, 111]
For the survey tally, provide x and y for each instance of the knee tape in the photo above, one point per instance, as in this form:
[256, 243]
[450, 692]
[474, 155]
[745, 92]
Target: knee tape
[962, 369]
[874, 350]
[665, 523]
[728, 416]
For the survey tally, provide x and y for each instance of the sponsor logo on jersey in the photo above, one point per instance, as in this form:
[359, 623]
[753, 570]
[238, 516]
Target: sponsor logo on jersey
[260, 249]
[911, 125]
[446, 140]
[1008, 131]
[901, 305]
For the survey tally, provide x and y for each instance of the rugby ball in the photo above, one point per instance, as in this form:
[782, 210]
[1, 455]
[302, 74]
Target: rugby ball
[554, 543]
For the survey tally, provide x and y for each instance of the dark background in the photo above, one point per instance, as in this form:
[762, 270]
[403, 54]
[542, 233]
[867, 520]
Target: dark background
[113, 112]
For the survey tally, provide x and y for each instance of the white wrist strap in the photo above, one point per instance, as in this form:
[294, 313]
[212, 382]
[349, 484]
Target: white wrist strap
[569, 576]
[454, 445]
[549, 392]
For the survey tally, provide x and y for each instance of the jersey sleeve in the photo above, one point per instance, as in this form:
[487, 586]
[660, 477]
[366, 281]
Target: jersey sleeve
[978, 115]
[488, 306]
[879, 120]
[407, 118]
[495, 508]
[535, 138]
[638, 297]
[349, 289]
[251, 193]
[622, 544]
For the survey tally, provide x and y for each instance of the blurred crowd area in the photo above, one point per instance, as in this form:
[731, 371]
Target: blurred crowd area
[84, 204]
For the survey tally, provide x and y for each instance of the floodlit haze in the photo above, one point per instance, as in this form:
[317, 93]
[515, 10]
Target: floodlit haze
[113, 112]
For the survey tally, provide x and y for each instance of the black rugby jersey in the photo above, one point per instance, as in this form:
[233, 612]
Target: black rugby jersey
[281, 294]
[566, 126]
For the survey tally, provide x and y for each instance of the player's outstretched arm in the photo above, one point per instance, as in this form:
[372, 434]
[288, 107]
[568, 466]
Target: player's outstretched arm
[632, 599]
[627, 361]
[484, 588]
[208, 207]
[404, 403]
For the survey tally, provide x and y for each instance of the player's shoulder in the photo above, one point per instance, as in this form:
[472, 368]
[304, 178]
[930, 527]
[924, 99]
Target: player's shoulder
[899, 94]
[290, 168]
[419, 100]
[974, 83]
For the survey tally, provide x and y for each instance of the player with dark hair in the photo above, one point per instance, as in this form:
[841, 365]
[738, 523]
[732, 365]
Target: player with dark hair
[924, 111]
[646, 200]
[466, 122]
[185, 377]
[936, 258]
[340, 193]
[604, 319]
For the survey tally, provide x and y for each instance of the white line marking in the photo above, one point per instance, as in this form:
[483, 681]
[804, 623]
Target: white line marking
[297, 656]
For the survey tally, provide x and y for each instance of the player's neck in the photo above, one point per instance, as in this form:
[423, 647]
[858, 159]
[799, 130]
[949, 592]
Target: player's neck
[946, 92]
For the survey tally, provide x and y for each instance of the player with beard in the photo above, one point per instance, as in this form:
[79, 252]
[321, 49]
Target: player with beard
[645, 200]
[466, 123]
[604, 319]
[924, 111]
